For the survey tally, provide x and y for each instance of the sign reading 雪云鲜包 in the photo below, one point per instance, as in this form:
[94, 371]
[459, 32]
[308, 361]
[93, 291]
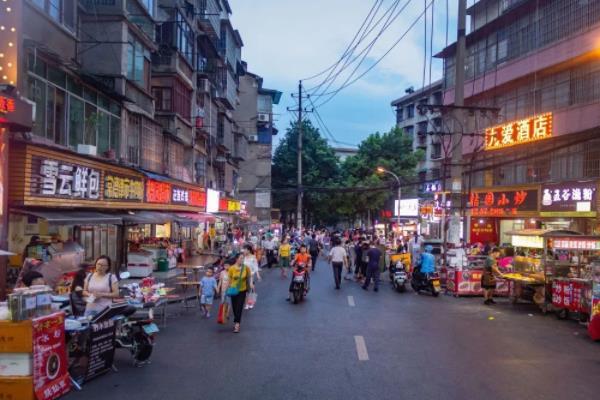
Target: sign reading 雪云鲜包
[503, 203]
[54, 178]
[569, 199]
[519, 132]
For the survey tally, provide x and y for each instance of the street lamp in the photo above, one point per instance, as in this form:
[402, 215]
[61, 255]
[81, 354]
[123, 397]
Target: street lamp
[382, 170]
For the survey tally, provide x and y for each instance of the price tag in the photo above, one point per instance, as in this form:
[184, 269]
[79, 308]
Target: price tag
[30, 303]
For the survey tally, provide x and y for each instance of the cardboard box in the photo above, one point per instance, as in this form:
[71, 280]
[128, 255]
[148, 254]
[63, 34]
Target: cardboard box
[16, 364]
[16, 388]
[16, 337]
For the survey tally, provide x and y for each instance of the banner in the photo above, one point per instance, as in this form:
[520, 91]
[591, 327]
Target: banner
[50, 377]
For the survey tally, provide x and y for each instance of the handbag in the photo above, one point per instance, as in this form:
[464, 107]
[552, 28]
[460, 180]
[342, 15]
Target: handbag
[221, 314]
[251, 301]
[235, 290]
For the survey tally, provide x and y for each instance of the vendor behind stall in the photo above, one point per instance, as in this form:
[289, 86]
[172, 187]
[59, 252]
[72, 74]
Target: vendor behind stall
[33, 278]
[101, 287]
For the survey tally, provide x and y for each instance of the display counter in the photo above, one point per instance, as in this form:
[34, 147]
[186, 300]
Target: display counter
[465, 280]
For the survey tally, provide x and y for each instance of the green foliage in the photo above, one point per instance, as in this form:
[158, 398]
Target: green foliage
[391, 150]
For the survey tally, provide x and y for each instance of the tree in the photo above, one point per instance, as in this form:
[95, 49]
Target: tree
[319, 168]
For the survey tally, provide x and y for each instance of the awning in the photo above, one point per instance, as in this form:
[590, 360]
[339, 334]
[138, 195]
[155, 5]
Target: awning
[199, 217]
[73, 217]
[155, 217]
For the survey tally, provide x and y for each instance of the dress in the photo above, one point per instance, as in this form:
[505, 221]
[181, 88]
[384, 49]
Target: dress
[99, 284]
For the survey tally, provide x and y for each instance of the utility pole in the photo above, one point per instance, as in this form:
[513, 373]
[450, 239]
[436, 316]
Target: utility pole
[300, 191]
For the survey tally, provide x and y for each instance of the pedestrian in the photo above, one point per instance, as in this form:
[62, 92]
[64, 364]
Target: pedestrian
[357, 259]
[208, 286]
[373, 257]
[240, 281]
[365, 246]
[313, 249]
[338, 257]
[284, 257]
[415, 245]
[224, 285]
[101, 287]
[251, 261]
[269, 245]
[488, 278]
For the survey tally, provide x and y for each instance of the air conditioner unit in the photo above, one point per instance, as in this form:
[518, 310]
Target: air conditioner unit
[263, 117]
[253, 138]
[204, 85]
[86, 149]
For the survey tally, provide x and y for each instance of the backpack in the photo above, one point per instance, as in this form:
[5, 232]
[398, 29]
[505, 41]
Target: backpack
[313, 246]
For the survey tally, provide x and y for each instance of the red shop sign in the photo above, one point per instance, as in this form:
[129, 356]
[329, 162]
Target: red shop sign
[158, 192]
[50, 377]
[197, 199]
[223, 205]
[503, 203]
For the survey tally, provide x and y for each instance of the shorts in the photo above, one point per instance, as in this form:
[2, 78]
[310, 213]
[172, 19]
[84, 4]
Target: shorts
[284, 262]
[204, 299]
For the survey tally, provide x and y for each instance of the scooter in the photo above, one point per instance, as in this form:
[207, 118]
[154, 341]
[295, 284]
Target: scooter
[398, 276]
[429, 282]
[299, 283]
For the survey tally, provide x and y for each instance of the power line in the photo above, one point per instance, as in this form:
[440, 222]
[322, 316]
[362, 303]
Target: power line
[326, 130]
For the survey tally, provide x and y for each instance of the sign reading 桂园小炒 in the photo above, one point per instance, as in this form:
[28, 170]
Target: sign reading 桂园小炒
[569, 199]
[54, 178]
[503, 203]
[519, 132]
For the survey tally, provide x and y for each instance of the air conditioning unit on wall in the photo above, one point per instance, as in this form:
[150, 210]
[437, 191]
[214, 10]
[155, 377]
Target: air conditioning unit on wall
[204, 85]
[263, 117]
[253, 138]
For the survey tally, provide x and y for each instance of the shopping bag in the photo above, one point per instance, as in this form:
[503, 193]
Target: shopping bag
[251, 300]
[221, 315]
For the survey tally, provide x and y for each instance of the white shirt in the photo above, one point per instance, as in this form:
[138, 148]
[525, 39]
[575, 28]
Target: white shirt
[338, 254]
[268, 244]
[250, 261]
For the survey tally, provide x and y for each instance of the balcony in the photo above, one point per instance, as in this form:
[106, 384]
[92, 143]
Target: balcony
[136, 13]
[209, 17]
[422, 140]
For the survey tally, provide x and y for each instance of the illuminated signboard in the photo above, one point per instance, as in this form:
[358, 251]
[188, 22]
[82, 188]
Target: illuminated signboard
[54, 178]
[224, 205]
[519, 132]
[180, 195]
[534, 242]
[197, 199]
[212, 200]
[158, 192]
[503, 203]
[233, 206]
[575, 244]
[569, 198]
[408, 207]
[7, 105]
[123, 188]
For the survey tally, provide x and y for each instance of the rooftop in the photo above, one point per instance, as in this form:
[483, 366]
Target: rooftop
[437, 85]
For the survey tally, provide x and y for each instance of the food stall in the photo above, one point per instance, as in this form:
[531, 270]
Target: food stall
[464, 275]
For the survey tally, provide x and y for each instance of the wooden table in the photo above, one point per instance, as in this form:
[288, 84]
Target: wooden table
[185, 286]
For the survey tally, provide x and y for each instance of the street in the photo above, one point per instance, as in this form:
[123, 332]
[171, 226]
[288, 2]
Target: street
[415, 347]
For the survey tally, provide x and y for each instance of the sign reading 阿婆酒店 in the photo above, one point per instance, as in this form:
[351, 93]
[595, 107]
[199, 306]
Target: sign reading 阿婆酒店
[503, 203]
[569, 199]
[55, 178]
[519, 132]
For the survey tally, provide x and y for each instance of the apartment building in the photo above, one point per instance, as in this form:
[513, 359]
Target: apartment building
[255, 117]
[537, 62]
[423, 128]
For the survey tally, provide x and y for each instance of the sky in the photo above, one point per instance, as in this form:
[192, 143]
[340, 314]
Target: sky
[289, 40]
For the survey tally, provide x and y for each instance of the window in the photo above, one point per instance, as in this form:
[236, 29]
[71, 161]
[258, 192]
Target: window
[138, 62]
[149, 4]
[437, 98]
[185, 38]
[182, 101]
[436, 151]
[399, 115]
[162, 98]
[134, 126]
[61, 11]
[175, 162]
[422, 128]
[410, 111]
[409, 131]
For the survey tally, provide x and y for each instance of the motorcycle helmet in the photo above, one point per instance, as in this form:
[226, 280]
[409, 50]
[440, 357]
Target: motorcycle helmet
[428, 248]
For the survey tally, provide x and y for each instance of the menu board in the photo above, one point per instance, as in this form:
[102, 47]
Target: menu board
[102, 348]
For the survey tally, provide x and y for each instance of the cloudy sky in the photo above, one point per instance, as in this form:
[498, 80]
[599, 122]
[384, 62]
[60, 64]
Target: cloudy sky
[288, 40]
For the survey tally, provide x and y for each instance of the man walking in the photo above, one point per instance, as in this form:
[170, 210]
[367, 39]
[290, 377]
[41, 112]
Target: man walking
[313, 249]
[373, 255]
[338, 257]
[269, 246]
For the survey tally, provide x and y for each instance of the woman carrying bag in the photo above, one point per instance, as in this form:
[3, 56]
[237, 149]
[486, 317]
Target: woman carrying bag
[240, 281]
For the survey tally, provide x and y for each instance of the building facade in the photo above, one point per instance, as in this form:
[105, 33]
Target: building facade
[255, 116]
[536, 162]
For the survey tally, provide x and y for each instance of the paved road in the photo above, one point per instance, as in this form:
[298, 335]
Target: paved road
[415, 347]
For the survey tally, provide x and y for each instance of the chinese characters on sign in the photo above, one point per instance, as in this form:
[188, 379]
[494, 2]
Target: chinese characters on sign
[121, 188]
[569, 197]
[158, 192]
[197, 199]
[519, 132]
[504, 203]
[56, 178]
[7, 105]
[575, 244]
[181, 196]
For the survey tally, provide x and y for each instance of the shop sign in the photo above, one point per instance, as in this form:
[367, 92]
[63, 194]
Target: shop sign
[123, 188]
[223, 205]
[519, 132]
[55, 178]
[573, 198]
[212, 200]
[158, 192]
[7, 105]
[575, 244]
[50, 376]
[180, 195]
[197, 198]
[433, 187]
[233, 206]
[533, 242]
[503, 203]
[408, 207]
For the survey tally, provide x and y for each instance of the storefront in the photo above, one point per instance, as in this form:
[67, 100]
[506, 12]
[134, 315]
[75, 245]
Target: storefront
[570, 205]
[62, 197]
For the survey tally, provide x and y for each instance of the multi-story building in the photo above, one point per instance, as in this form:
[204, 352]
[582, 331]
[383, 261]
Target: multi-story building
[255, 118]
[424, 129]
[538, 160]
[342, 153]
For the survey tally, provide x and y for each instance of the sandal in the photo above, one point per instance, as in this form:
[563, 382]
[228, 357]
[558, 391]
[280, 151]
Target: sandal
[236, 328]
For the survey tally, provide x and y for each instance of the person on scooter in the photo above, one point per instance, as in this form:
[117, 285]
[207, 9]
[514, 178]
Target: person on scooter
[427, 265]
[301, 259]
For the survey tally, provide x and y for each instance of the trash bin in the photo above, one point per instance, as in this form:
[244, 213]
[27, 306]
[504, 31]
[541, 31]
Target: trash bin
[163, 264]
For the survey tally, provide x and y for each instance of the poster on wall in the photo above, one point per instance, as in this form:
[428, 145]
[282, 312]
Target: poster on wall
[50, 376]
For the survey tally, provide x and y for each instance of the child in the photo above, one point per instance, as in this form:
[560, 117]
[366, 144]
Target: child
[208, 285]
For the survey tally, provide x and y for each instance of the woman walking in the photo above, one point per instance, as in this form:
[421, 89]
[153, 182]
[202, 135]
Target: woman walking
[240, 280]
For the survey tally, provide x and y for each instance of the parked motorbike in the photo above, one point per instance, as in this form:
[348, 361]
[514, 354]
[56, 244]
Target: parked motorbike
[136, 330]
[429, 282]
[299, 283]
[398, 276]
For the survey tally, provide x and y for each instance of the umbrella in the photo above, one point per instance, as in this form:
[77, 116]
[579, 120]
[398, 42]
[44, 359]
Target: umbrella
[6, 253]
